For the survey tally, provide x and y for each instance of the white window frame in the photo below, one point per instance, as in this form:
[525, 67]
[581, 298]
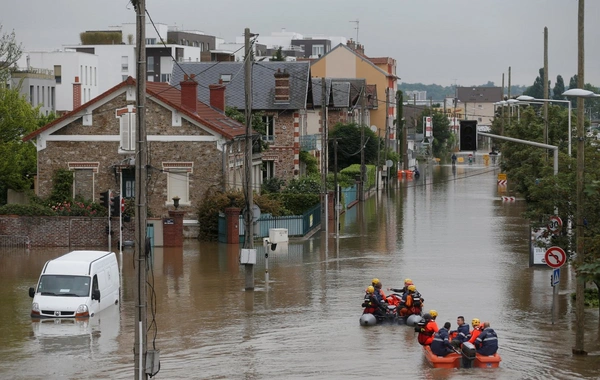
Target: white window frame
[269, 135]
[127, 128]
[178, 181]
[318, 50]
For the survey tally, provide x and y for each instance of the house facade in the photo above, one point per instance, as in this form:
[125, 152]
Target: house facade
[280, 91]
[477, 103]
[38, 86]
[349, 61]
[189, 146]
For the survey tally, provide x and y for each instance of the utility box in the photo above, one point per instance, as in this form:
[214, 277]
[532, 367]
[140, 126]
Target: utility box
[248, 256]
[278, 235]
[152, 362]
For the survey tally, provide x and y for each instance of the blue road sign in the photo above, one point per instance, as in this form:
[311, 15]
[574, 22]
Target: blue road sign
[555, 276]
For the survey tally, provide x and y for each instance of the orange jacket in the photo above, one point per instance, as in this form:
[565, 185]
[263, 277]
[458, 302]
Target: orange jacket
[474, 334]
[426, 337]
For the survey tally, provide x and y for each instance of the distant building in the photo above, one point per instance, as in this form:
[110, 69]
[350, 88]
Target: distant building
[477, 103]
[38, 86]
[68, 67]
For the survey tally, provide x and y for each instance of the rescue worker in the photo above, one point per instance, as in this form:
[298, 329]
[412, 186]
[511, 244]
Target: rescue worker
[487, 341]
[427, 332]
[460, 335]
[476, 330]
[372, 304]
[440, 345]
[403, 290]
[378, 291]
[407, 302]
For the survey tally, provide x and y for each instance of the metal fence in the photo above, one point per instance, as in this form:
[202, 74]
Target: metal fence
[297, 225]
[14, 241]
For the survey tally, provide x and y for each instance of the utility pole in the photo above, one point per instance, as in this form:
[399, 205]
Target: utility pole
[141, 178]
[503, 117]
[509, 76]
[580, 288]
[387, 133]
[361, 195]
[546, 85]
[248, 217]
[402, 128]
[324, 142]
[336, 200]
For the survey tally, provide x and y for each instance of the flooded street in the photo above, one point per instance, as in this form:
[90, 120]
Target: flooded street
[465, 249]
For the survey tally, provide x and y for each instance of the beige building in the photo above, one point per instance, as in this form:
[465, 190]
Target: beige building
[349, 61]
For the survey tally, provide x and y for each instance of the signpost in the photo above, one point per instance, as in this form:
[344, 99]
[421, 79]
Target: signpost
[555, 224]
[555, 258]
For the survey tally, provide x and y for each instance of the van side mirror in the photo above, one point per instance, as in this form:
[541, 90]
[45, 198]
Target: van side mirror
[31, 292]
[96, 295]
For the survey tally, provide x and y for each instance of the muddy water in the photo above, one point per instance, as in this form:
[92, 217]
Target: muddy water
[448, 231]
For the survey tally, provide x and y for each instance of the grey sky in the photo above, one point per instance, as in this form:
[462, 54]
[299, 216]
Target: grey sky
[434, 41]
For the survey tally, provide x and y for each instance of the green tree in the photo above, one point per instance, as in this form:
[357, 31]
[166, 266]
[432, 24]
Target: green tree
[537, 89]
[442, 137]
[573, 81]
[10, 52]
[17, 158]
[559, 88]
[278, 56]
[258, 123]
[349, 145]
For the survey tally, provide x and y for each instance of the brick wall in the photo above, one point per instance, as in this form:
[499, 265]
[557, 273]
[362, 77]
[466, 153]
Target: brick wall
[64, 231]
[285, 149]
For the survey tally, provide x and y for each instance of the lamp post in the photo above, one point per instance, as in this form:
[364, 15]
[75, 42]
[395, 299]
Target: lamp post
[526, 98]
[579, 235]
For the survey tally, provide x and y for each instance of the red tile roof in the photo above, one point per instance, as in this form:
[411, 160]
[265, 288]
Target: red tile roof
[205, 115]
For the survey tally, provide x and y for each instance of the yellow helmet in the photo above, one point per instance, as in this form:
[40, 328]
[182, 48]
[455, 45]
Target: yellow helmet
[370, 289]
[433, 313]
[475, 322]
[408, 281]
[375, 281]
[412, 288]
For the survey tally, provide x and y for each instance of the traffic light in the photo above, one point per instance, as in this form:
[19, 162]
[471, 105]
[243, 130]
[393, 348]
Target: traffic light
[105, 199]
[468, 135]
[115, 206]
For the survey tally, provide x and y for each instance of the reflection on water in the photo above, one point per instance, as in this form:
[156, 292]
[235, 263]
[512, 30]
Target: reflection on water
[448, 230]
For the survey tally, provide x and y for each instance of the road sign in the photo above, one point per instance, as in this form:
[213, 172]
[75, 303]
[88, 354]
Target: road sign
[555, 257]
[122, 205]
[555, 276]
[555, 224]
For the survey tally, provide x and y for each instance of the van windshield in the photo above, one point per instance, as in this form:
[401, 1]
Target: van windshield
[61, 285]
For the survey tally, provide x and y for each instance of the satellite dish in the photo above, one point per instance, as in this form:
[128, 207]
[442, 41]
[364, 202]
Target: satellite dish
[374, 128]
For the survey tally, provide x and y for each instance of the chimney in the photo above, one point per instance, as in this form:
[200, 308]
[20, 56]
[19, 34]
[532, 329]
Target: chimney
[76, 93]
[217, 95]
[360, 49]
[351, 44]
[189, 93]
[282, 86]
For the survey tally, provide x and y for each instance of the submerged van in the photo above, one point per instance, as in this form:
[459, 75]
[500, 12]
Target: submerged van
[76, 285]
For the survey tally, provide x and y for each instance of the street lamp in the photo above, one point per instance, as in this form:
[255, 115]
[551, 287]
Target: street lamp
[580, 288]
[527, 98]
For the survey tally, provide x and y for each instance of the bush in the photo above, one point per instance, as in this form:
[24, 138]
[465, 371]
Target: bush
[78, 208]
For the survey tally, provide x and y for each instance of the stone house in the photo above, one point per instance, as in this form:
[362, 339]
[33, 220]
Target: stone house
[280, 92]
[190, 146]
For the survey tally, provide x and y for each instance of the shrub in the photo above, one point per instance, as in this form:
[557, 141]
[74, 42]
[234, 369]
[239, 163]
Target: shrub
[26, 210]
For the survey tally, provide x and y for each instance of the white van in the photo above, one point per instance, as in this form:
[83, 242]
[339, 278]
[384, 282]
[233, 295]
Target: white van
[76, 285]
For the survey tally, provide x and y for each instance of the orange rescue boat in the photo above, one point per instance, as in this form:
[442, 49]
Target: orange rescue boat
[449, 361]
[456, 360]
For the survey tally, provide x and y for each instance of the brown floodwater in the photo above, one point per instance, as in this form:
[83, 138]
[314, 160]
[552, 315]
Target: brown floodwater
[465, 249]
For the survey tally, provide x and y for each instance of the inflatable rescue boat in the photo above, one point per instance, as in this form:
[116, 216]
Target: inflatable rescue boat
[465, 358]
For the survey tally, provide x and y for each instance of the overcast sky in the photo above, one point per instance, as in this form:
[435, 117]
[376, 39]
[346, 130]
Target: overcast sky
[466, 42]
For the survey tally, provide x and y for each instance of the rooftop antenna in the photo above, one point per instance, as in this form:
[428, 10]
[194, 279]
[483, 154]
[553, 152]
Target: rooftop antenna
[356, 22]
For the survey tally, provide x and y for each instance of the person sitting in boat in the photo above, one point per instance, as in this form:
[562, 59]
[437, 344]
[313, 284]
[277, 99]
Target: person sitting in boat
[378, 291]
[460, 335]
[371, 304]
[428, 330]
[411, 302]
[487, 342]
[477, 327]
[440, 345]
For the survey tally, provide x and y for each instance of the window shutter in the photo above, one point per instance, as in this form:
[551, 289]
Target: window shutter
[124, 120]
[132, 128]
[178, 184]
